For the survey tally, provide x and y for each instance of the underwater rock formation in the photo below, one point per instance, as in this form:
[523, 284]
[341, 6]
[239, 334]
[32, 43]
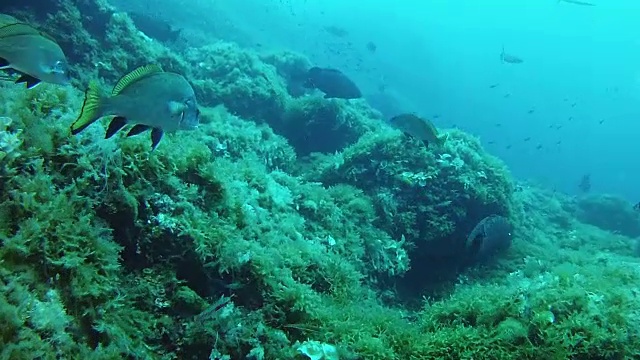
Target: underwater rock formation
[432, 197]
[225, 243]
[610, 213]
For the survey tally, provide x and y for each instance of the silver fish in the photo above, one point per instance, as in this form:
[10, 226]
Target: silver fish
[33, 54]
[148, 98]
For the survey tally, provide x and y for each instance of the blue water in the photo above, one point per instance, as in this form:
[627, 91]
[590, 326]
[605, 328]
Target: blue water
[438, 58]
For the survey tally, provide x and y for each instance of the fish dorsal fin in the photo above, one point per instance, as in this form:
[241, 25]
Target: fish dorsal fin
[17, 29]
[136, 75]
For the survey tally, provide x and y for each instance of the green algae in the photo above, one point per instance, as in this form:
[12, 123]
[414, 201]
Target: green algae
[228, 240]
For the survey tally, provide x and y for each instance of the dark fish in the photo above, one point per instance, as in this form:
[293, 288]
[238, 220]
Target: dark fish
[155, 28]
[539, 147]
[147, 97]
[585, 183]
[527, 139]
[531, 111]
[332, 82]
[636, 207]
[372, 47]
[419, 128]
[493, 86]
[601, 121]
[491, 235]
[508, 58]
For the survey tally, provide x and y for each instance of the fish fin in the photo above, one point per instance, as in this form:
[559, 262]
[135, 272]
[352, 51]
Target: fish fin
[91, 108]
[156, 136]
[137, 129]
[117, 123]
[29, 80]
[502, 54]
[135, 75]
[4, 63]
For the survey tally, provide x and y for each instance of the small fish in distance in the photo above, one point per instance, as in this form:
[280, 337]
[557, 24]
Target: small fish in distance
[371, 46]
[510, 59]
[585, 183]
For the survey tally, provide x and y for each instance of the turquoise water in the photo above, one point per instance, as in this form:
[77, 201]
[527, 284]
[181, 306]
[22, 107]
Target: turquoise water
[440, 57]
[288, 224]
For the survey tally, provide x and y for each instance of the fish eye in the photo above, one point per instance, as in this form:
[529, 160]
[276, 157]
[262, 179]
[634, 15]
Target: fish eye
[59, 67]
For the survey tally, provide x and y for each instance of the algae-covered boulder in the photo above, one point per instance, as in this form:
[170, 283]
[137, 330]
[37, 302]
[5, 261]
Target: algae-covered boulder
[292, 67]
[433, 197]
[609, 212]
[314, 124]
[146, 255]
[224, 73]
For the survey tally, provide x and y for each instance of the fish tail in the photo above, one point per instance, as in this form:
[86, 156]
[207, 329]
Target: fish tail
[502, 54]
[91, 108]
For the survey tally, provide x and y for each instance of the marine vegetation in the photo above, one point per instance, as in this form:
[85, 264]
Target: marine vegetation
[285, 226]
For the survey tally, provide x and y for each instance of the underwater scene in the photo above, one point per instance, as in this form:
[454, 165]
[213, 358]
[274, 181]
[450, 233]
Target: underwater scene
[323, 180]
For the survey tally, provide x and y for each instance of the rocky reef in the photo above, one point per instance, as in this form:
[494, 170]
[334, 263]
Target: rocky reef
[284, 227]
